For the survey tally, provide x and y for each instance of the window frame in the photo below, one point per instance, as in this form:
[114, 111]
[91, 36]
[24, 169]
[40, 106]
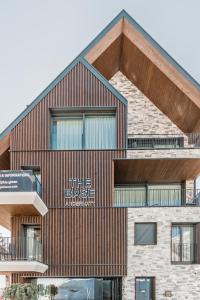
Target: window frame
[182, 262]
[82, 116]
[146, 185]
[135, 240]
[153, 292]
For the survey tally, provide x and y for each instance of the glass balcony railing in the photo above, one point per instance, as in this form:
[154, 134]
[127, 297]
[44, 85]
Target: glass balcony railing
[19, 181]
[163, 141]
[20, 248]
[144, 197]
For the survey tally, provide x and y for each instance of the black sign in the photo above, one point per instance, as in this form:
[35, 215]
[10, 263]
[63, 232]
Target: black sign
[16, 181]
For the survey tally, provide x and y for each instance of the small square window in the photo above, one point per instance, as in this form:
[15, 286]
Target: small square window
[145, 234]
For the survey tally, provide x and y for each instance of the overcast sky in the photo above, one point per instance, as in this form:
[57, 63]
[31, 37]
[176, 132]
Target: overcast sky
[39, 38]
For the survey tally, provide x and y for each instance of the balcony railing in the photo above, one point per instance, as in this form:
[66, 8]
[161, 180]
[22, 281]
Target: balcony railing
[19, 181]
[20, 249]
[144, 197]
[163, 141]
[184, 253]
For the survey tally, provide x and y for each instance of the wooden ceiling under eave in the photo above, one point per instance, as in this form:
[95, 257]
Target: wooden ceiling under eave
[4, 153]
[129, 171]
[124, 49]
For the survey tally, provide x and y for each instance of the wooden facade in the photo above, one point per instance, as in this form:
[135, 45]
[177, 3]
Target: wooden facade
[76, 241]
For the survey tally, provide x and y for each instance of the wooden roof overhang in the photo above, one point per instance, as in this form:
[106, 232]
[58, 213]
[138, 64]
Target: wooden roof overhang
[4, 153]
[127, 171]
[126, 47]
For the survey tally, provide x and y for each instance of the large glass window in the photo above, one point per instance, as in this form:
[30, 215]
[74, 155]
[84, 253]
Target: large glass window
[79, 288]
[164, 195]
[145, 233]
[148, 195]
[183, 243]
[130, 196]
[84, 132]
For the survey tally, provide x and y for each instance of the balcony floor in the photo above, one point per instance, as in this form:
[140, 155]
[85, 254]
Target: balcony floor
[20, 203]
[7, 267]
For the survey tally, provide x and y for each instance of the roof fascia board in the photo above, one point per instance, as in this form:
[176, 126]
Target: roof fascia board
[162, 51]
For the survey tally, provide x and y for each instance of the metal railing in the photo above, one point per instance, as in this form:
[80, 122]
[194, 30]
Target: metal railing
[163, 141]
[184, 253]
[149, 197]
[20, 248]
[19, 181]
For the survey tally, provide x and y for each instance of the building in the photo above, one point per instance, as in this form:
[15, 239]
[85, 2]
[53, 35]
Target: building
[98, 176]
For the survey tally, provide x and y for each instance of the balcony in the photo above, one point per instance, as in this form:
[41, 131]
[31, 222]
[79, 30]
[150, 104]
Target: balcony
[137, 196]
[21, 255]
[164, 141]
[20, 194]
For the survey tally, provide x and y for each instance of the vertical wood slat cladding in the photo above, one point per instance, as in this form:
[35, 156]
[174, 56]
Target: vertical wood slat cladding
[78, 241]
[79, 88]
[57, 167]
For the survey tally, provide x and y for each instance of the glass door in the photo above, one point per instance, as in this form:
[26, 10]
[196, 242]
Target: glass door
[183, 246]
[144, 288]
[33, 243]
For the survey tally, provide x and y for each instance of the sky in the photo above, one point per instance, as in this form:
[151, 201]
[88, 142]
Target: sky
[39, 38]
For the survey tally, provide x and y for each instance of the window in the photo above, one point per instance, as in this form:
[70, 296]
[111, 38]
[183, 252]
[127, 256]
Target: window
[33, 249]
[145, 288]
[145, 234]
[183, 243]
[84, 132]
[157, 142]
[36, 178]
[148, 195]
[134, 196]
[79, 288]
[164, 195]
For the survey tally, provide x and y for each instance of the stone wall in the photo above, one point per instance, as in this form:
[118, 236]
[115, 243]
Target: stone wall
[155, 261]
[143, 116]
[183, 280]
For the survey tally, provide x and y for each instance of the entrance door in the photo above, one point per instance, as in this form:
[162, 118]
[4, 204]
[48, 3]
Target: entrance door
[144, 288]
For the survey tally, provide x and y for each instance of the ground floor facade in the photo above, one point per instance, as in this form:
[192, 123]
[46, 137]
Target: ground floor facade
[162, 261]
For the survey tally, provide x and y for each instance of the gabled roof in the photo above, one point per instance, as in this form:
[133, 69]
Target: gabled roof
[116, 31]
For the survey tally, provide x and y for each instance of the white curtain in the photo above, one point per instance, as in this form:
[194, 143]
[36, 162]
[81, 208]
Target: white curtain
[164, 195]
[100, 132]
[67, 134]
[134, 196]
